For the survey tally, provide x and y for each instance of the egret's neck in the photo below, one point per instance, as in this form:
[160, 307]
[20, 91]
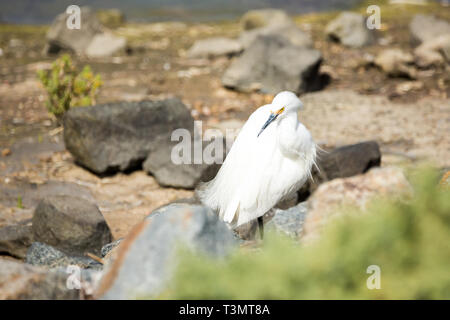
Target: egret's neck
[288, 124]
[293, 138]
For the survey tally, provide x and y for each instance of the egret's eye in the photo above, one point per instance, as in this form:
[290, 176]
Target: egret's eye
[280, 111]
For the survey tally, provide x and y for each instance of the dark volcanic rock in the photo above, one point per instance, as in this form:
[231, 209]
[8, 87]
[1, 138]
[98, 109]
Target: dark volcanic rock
[70, 224]
[351, 160]
[147, 257]
[119, 136]
[168, 174]
[41, 254]
[15, 240]
[123, 136]
[272, 64]
[22, 281]
[343, 162]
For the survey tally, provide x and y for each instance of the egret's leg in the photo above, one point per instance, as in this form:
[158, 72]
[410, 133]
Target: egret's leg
[261, 226]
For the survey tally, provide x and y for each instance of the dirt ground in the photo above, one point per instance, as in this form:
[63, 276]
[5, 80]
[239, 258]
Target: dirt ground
[409, 118]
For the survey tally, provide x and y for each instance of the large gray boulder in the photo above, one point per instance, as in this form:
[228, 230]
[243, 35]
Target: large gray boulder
[424, 28]
[147, 258]
[272, 64]
[350, 29]
[23, 281]
[70, 224]
[122, 136]
[119, 136]
[91, 39]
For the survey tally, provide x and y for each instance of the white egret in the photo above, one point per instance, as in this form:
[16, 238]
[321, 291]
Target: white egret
[271, 158]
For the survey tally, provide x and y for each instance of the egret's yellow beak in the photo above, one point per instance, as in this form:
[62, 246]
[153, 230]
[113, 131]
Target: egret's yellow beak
[272, 117]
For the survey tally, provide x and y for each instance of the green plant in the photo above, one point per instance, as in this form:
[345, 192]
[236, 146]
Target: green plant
[409, 240]
[66, 87]
[19, 202]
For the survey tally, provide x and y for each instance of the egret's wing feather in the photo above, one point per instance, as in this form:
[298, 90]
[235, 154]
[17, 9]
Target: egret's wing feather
[223, 192]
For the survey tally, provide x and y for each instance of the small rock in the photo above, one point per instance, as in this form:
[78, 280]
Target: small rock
[424, 28]
[263, 17]
[147, 257]
[70, 224]
[433, 52]
[326, 201]
[91, 39]
[396, 63]
[105, 44]
[350, 29]
[408, 86]
[214, 47]
[290, 32]
[41, 254]
[6, 152]
[15, 240]
[272, 64]
[106, 249]
[250, 231]
[289, 221]
[60, 37]
[23, 281]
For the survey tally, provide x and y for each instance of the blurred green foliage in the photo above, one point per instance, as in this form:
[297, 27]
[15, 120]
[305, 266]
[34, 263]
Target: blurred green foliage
[111, 18]
[66, 87]
[409, 240]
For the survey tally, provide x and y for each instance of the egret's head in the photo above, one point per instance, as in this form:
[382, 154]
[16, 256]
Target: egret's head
[284, 102]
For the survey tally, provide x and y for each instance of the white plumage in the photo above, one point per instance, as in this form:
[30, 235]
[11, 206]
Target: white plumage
[272, 157]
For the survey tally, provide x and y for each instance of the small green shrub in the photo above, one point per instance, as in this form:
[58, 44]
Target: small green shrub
[66, 87]
[408, 240]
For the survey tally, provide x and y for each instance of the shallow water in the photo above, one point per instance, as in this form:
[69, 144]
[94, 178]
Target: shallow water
[43, 11]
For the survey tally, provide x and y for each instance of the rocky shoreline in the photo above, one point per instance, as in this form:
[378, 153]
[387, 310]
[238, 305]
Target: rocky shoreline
[97, 209]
